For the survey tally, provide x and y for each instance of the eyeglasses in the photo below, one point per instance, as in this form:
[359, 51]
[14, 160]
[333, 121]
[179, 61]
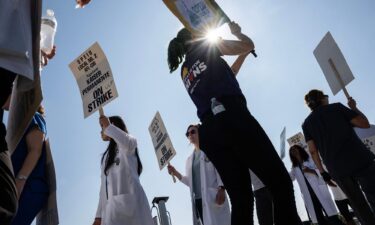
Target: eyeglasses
[190, 132]
[326, 96]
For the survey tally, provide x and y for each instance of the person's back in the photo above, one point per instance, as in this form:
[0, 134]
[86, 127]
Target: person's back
[329, 131]
[203, 66]
[342, 151]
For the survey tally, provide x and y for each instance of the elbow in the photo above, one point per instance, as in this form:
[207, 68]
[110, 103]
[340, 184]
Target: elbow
[250, 46]
[366, 126]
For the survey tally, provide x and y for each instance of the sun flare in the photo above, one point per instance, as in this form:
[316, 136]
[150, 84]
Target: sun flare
[212, 36]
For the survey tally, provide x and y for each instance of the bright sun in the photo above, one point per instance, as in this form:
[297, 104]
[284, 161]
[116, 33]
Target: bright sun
[212, 36]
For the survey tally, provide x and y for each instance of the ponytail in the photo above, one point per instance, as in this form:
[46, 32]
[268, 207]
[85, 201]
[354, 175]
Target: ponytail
[177, 49]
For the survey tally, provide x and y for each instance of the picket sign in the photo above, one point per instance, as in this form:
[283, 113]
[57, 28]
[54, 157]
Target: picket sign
[95, 79]
[333, 64]
[162, 143]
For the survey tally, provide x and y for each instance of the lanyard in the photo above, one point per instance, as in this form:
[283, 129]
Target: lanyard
[106, 186]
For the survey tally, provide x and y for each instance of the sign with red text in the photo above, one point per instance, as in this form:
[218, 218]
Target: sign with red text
[162, 143]
[94, 78]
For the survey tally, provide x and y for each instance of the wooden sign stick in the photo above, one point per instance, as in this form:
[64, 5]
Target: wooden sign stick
[338, 77]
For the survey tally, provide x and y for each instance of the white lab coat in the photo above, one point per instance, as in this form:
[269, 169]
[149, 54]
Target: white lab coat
[127, 203]
[319, 187]
[213, 214]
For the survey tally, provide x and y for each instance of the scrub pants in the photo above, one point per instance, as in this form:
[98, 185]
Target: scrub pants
[264, 206]
[8, 192]
[235, 142]
[30, 204]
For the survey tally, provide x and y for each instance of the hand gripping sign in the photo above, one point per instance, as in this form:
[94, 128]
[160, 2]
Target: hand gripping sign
[162, 143]
[94, 78]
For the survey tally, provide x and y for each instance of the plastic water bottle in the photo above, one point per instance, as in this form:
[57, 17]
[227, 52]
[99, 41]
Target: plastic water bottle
[216, 106]
[48, 31]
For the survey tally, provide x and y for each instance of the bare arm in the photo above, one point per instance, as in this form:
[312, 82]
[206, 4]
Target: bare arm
[173, 171]
[242, 46]
[361, 120]
[318, 162]
[238, 63]
[34, 141]
[315, 155]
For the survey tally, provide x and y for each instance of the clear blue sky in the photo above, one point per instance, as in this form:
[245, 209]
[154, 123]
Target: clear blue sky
[135, 36]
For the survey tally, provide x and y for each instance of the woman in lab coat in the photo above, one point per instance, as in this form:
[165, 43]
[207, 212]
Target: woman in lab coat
[315, 192]
[122, 200]
[210, 205]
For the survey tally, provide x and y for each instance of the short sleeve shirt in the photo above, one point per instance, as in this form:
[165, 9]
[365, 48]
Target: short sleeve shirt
[342, 151]
[206, 75]
[37, 178]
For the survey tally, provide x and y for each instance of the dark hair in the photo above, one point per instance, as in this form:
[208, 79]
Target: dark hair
[305, 157]
[177, 48]
[314, 98]
[193, 125]
[112, 146]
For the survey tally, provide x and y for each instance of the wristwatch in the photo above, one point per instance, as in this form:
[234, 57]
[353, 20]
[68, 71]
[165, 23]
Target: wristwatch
[21, 177]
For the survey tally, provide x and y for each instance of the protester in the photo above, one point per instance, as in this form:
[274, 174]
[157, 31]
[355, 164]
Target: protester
[314, 190]
[342, 203]
[263, 201]
[329, 133]
[122, 199]
[29, 165]
[207, 192]
[19, 55]
[232, 139]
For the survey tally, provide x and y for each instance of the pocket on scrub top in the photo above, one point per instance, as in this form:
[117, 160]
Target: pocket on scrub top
[120, 207]
[212, 192]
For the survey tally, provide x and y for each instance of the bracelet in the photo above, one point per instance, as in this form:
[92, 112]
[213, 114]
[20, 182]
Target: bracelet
[21, 177]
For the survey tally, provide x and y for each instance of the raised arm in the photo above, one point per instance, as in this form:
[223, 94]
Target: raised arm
[122, 138]
[361, 120]
[173, 171]
[242, 46]
[238, 63]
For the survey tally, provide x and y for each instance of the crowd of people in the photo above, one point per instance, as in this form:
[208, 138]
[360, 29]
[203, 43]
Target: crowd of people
[232, 155]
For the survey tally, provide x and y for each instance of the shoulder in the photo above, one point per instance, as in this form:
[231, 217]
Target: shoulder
[38, 122]
[307, 120]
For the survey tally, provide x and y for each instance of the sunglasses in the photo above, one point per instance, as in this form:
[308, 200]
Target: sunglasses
[190, 132]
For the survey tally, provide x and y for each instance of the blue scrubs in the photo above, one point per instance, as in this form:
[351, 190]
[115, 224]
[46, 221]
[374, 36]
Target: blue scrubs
[35, 193]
